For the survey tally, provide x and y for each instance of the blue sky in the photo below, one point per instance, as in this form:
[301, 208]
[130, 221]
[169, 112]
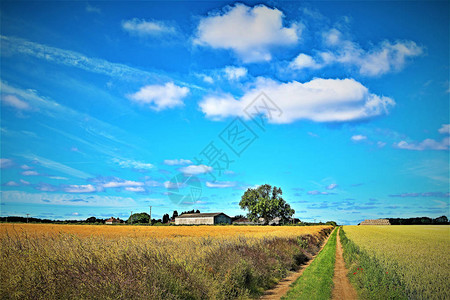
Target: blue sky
[110, 107]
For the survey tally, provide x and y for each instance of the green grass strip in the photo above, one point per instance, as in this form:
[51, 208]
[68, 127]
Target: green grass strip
[316, 281]
[368, 276]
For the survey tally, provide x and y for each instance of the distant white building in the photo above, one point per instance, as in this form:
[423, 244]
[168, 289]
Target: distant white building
[202, 219]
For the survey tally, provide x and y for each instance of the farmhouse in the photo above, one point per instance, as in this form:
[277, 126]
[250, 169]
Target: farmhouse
[375, 222]
[113, 220]
[202, 219]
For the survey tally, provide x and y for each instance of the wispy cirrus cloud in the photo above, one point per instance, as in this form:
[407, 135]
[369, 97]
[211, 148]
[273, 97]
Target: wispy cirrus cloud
[426, 194]
[220, 184]
[143, 27]
[14, 46]
[316, 192]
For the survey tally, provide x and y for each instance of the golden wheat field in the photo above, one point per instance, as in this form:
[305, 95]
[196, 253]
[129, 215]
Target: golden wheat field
[114, 231]
[420, 255]
[46, 261]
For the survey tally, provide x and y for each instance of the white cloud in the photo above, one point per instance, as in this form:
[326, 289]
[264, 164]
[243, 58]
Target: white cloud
[445, 129]
[235, 73]
[220, 184]
[249, 32]
[147, 28]
[53, 165]
[177, 162]
[320, 100]
[206, 78]
[58, 177]
[26, 167]
[160, 97]
[87, 188]
[92, 9]
[14, 101]
[133, 164]
[135, 189]
[11, 183]
[381, 144]
[14, 46]
[67, 199]
[427, 144]
[30, 173]
[196, 169]
[6, 163]
[24, 182]
[125, 183]
[384, 58]
[359, 137]
[331, 186]
[318, 193]
[304, 61]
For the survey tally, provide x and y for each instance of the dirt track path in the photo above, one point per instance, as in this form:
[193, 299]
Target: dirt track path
[343, 290]
[283, 286]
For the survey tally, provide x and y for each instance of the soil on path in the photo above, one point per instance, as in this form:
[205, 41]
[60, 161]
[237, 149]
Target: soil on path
[283, 286]
[343, 290]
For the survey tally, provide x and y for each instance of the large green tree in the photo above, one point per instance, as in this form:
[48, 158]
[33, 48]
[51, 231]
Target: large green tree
[266, 202]
[139, 218]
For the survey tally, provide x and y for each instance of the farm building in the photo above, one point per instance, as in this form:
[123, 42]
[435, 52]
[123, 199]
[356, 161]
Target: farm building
[375, 222]
[113, 220]
[202, 219]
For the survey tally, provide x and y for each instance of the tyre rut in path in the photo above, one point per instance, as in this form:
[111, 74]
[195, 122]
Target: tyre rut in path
[283, 286]
[343, 290]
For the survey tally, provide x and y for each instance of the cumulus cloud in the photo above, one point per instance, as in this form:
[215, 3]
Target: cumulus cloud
[384, 58]
[135, 189]
[177, 162]
[30, 173]
[11, 183]
[196, 169]
[14, 101]
[250, 32]
[122, 183]
[87, 188]
[6, 163]
[320, 100]
[133, 164]
[220, 184]
[235, 73]
[304, 61]
[445, 129]
[160, 97]
[147, 28]
[359, 137]
[427, 144]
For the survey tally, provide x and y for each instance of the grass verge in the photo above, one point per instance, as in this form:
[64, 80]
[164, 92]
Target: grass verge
[316, 281]
[367, 275]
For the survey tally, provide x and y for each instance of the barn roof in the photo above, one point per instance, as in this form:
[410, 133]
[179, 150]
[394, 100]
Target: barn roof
[201, 215]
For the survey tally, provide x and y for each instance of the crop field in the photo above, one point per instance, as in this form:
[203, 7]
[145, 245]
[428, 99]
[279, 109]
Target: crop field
[115, 231]
[141, 262]
[416, 256]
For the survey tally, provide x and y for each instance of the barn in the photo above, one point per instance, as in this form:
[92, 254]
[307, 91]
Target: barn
[202, 219]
